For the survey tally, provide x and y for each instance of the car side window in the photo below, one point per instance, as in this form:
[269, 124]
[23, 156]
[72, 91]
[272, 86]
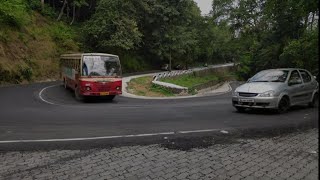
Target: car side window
[305, 76]
[295, 78]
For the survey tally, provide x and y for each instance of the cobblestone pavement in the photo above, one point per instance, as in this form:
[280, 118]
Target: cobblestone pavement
[291, 156]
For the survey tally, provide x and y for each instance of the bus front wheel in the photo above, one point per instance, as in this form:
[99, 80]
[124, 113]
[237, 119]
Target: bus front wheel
[77, 94]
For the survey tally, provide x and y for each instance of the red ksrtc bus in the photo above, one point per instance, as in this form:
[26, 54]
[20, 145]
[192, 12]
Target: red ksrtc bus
[91, 74]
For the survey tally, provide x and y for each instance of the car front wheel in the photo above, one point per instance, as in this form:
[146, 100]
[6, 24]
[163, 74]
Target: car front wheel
[283, 105]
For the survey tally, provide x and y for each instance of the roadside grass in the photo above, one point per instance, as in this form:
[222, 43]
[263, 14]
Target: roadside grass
[160, 89]
[143, 86]
[190, 80]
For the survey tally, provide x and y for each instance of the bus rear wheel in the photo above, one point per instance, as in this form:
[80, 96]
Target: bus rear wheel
[65, 84]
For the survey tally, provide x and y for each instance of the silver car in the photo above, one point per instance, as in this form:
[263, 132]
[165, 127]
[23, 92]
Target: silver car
[277, 89]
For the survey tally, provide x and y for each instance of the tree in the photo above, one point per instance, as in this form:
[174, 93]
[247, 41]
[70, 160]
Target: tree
[170, 30]
[302, 53]
[113, 26]
[77, 4]
[42, 5]
[221, 10]
[62, 9]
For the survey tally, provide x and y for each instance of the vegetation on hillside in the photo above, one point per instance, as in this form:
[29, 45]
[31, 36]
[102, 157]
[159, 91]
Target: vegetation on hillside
[259, 34]
[30, 44]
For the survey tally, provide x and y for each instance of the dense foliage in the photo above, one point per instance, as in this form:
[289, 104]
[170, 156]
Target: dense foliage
[259, 34]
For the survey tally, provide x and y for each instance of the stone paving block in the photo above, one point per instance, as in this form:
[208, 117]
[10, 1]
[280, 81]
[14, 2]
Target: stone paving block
[236, 177]
[245, 173]
[283, 157]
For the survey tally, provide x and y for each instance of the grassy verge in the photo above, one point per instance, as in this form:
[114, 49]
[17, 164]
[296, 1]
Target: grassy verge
[190, 80]
[143, 86]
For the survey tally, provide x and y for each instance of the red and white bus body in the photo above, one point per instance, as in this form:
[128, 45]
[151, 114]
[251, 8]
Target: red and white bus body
[78, 73]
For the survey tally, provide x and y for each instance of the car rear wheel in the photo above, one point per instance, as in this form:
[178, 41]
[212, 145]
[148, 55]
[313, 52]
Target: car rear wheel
[315, 101]
[240, 109]
[283, 105]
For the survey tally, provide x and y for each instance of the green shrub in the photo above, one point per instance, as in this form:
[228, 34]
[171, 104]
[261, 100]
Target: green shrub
[49, 12]
[161, 89]
[132, 63]
[5, 75]
[192, 91]
[25, 73]
[13, 13]
[34, 5]
[244, 71]
[63, 35]
[4, 37]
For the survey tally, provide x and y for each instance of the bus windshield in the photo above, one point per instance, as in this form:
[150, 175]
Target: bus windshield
[101, 66]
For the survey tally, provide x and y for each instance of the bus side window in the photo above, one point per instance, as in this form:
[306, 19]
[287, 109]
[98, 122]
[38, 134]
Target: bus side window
[77, 65]
[71, 64]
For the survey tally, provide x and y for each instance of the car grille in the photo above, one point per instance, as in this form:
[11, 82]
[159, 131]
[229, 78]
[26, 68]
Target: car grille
[251, 103]
[248, 94]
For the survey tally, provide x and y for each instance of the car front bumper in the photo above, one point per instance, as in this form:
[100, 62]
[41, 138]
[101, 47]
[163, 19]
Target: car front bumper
[255, 102]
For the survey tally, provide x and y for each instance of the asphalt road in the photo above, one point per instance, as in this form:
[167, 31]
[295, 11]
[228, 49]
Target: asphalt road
[24, 116]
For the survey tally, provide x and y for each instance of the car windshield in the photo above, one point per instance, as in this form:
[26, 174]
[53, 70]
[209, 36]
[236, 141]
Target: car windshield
[270, 76]
[101, 66]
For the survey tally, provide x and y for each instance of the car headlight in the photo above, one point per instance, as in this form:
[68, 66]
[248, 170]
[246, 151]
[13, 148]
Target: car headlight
[267, 94]
[235, 93]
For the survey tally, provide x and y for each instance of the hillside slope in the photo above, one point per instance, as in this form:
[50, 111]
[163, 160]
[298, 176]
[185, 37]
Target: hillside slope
[31, 52]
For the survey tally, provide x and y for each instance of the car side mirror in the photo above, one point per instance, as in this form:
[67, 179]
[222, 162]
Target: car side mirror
[248, 80]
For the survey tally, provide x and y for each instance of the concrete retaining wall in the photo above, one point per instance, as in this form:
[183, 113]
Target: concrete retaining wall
[198, 71]
[171, 87]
